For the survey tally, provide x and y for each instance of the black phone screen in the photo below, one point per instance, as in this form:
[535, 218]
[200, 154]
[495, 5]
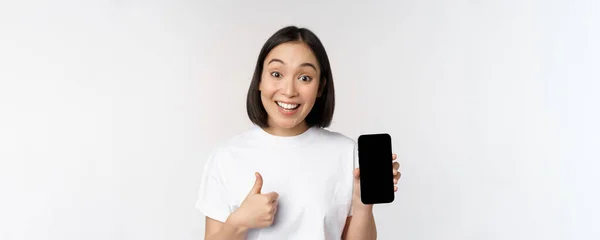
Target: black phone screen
[376, 169]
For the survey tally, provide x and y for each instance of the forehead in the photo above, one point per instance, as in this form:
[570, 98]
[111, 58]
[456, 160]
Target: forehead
[292, 53]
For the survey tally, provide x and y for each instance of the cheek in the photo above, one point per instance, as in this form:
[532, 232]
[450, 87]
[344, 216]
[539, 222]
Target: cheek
[310, 95]
[314, 91]
[266, 88]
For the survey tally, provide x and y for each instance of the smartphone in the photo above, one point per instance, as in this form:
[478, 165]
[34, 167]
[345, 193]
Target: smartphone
[376, 168]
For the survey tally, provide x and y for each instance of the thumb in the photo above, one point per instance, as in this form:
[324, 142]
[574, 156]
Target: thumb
[257, 184]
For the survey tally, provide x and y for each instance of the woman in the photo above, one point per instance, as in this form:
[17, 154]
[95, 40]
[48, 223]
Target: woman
[288, 177]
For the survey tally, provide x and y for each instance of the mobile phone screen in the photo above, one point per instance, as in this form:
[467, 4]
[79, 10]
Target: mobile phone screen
[376, 169]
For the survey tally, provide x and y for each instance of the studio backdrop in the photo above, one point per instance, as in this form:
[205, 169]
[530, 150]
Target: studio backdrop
[109, 110]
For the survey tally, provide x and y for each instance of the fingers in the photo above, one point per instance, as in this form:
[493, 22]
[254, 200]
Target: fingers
[272, 206]
[356, 172]
[272, 197]
[257, 184]
[397, 178]
[396, 171]
[268, 219]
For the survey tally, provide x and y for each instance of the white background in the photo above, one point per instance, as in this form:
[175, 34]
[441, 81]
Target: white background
[108, 111]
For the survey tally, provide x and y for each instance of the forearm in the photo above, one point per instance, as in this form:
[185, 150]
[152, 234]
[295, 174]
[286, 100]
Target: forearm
[362, 226]
[229, 232]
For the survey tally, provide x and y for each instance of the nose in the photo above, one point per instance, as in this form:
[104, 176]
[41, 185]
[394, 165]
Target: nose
[289, 88]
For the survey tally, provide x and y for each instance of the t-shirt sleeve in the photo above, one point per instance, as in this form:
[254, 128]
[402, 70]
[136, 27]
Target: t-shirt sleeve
[213, 200]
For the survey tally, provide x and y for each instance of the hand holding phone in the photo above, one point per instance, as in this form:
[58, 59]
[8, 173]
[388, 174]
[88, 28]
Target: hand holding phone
[376, 169]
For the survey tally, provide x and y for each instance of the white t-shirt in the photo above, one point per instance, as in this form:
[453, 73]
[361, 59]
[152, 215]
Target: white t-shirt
[311, 172]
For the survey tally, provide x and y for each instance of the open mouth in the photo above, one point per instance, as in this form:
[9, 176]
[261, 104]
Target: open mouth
[288, 106]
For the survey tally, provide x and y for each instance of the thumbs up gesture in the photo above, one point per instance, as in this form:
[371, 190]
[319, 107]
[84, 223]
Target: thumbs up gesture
[257, 210]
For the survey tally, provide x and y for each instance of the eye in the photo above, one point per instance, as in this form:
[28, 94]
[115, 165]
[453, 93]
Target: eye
[276, 74]
[305, 78]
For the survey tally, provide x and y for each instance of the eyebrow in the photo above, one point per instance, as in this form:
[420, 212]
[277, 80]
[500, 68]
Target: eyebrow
[301, 65]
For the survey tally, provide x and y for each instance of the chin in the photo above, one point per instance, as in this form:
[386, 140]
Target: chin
[286, 124]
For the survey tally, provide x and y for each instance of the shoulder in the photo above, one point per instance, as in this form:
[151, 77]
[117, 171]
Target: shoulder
[336, 138]
[341, 145]
[238, 141]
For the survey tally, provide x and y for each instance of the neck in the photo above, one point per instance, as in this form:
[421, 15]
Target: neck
[287, 132]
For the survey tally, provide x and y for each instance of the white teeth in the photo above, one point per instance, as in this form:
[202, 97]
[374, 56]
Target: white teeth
[287, 106]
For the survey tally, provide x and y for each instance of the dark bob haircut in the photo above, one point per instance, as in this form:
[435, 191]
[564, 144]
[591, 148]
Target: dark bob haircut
[322, 112]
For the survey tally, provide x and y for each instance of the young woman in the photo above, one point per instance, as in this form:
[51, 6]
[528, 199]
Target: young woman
[288, 177]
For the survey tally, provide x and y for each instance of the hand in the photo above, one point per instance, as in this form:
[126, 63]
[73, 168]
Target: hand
[356, 202]
[257, 210]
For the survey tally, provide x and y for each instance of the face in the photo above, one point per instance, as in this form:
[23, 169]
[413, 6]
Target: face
[289, 87]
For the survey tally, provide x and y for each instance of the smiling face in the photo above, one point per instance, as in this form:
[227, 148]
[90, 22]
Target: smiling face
[289, 87]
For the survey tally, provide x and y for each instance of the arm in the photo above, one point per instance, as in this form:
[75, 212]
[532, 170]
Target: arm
[360, 226]
[216, 230]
